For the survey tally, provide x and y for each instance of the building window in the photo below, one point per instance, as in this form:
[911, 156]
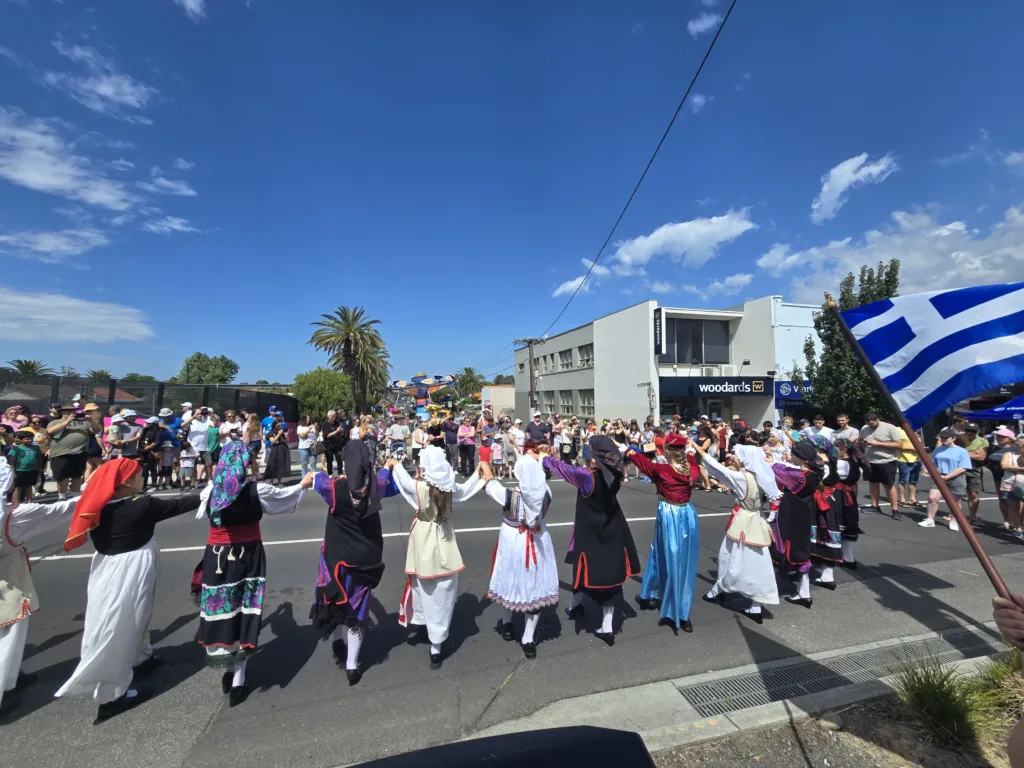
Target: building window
[565, 360]
[548, 400]
[586, 400]
[565, 401]
[693, 342]
[522, 367]
[586, 353]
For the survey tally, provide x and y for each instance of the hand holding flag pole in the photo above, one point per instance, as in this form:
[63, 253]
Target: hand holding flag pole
[926, 459]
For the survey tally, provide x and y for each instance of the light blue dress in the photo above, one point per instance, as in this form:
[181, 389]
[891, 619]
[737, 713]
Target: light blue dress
[671, 571]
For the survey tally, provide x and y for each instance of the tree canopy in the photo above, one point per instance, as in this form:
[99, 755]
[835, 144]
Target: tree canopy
[504, 379]
[469, 381]
[322, 390]
[354, 345]
[200, 368]
[29, 367]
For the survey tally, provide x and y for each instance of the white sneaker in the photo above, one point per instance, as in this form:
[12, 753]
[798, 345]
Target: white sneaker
[927, 523]
[953, 525]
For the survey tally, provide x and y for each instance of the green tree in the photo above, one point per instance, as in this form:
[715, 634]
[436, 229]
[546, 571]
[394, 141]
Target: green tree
[262, 383]
[838, 380]
[438, 395]
[504, 379]
[128, 379]
[68, 372]
[30, 367]
[140, 378]
[322, 390]
[98, 374]
[356, 347]
[200, 368]
[469, 381]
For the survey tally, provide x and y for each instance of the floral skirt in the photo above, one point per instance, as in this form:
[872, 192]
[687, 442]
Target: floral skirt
[231, 601]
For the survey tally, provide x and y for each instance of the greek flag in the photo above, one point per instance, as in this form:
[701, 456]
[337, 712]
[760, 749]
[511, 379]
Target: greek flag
[933, 350]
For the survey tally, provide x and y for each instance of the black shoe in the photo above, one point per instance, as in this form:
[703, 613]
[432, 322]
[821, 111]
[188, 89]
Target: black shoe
[716, 600]
[896, 514]
[530, 650]
[353, 675]
[507, 632]
[849, 564]
[123, 704]
[607, 637]
[575, 613]
[25, 679]
[686, 625]
[435, 661]
[876, 510]
[237, 695]
[147, 667]
[757, 618]
[225, 681]
[831, 585]
[647, 604]
[806, 602]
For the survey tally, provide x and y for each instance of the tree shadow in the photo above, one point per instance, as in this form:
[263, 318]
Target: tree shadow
[280, 660]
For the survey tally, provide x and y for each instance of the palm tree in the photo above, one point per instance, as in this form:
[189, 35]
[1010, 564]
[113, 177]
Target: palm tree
[98, 374]
[355, 346]
[469, 381]
[30, 368]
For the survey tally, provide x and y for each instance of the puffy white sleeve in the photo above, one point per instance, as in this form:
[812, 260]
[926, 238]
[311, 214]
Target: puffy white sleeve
[730, 478]
[406, 485]
[467, 490]
[204, 501]
[497, 491]
[279, 501]
[33, 519]
[6, 475]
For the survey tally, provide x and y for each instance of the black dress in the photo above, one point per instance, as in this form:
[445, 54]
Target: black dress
[604, 554]
[846, 497]
[279, 461]
[791, 534]
[826, 536]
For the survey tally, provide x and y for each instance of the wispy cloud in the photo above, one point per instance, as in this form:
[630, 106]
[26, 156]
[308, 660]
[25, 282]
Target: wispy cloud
[694, 242]
[33, 155]
[122, 165]
[596, 271]
[169, 224]
[730, 286]
[102, 88]
[849, 173]
[697, 102]
[660, 286]
[703, 23]
[194, 9]
[709, 3]
[51, 317]
[570, 286]
[53, 246]
[183, 165]
[979, 149]
[10, 55]
[161, 185]
[1014, 160]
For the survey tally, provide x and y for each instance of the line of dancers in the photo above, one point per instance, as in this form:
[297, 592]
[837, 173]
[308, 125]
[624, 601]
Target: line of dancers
[812, 517]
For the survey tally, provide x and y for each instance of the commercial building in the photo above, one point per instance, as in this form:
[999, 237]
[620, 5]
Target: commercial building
[649, 360]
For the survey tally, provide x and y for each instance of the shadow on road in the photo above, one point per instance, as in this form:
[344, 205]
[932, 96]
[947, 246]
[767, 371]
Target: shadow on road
[280, 660]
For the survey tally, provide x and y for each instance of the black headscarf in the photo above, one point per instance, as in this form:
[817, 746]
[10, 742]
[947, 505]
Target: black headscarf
[609, 460]
[362, 478]
[809, 454]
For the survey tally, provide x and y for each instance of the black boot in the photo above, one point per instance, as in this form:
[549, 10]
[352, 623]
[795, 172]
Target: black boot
[576, 612]
[435, 661]
[647, 604]
[806, 602]
[353, 675]
[123, 704]
[757, 617]
[225, 681]
[237, 695]
[507, 632]
[530, 650]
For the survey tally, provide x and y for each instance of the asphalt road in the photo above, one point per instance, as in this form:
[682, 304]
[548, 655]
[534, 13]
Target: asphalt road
[302, 710]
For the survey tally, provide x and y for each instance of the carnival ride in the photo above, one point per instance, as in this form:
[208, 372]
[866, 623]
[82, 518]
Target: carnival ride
[418, 390]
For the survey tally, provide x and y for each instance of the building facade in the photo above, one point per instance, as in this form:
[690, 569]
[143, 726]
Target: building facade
[648, 360]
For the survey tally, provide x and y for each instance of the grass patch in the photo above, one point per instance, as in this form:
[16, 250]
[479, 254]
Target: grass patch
[1004, 677]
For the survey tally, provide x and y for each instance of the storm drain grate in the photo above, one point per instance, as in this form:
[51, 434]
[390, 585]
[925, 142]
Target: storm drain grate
[733, 694]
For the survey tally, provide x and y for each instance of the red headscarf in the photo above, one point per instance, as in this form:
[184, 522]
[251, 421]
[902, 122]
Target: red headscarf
[675, 440]
[97, 494]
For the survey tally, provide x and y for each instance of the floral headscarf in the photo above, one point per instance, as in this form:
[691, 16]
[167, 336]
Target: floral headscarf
[229, 477]
[851, 447]
[823, 445]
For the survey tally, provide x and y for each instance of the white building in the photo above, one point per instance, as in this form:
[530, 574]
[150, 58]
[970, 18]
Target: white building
[650, 360]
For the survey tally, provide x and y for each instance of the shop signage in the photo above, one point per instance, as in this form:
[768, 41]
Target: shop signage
[715, 386]
[659, 333]
[790, 390]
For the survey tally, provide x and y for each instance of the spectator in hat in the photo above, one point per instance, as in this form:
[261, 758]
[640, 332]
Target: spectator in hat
[953, 463]
[69, 443]
[113, 436]
[977, 448]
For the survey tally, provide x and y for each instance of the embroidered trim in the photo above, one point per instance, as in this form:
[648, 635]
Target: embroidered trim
[436, 575]
[533, 605]
[26, 611]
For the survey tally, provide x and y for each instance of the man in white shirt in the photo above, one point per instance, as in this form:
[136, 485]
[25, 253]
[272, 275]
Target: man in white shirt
[198, 424]
[819, 428]
[231, 424]
[397, 434]
[186, 411]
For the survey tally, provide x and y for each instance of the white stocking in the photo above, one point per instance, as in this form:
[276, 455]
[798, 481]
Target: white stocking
[804, 590]
[577, 598]
[239, 678]
[848, 551]
[714, 591]
[827, 575]
[754, 609]
[355, 642]
[531, 627]
[506, 616]
[608, 612]
[435, 649]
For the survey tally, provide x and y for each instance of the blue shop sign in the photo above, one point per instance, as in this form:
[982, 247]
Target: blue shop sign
[791, 391]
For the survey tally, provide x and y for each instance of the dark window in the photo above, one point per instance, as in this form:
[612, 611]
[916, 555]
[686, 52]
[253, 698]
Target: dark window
[716, 341]
[692, 342]
[670, 342]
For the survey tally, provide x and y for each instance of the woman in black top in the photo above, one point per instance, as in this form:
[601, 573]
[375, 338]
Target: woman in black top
[434, 430]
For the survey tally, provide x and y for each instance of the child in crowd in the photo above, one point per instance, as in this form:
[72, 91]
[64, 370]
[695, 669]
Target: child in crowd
[497, 451]
[187, 464]
[25, 458]
[167, 457]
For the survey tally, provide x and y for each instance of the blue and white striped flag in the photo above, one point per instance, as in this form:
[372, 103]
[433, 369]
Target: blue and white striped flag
[933, 350]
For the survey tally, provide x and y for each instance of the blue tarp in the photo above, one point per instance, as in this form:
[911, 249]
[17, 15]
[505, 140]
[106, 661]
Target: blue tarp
[1013, 410]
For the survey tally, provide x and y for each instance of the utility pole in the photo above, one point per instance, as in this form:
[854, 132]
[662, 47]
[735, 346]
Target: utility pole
[529, 341]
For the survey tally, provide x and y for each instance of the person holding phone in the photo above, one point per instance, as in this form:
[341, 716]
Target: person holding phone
[198, 426]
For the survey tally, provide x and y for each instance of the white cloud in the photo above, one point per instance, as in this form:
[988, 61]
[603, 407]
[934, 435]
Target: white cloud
[1014, 159]
[160, 185]
[849, 173]
[33, 155]
[7, 53]
[119, 221]
[660, 286]
[697, 102]
[54, 246]
[933, 255]
[50, 317]
[730, 286]
[703, 23]
[596, 269]
[169, 224]
[695, 241]
[710, 3]
[122, 165]
[103, 88]
[195, 9]
[570, 286]
[183, 165]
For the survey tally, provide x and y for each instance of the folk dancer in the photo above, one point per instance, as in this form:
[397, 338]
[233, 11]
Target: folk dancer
[802, 499]
[826, 534]
[433, 560]
[744, 563]
[848, 469]
[18, 597]
[670, 575]
[351, 555]
[602, 550]
[234, 565]
[122, 582]
[524, 573]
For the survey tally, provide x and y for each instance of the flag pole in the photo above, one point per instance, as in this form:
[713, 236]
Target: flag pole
[926, 459]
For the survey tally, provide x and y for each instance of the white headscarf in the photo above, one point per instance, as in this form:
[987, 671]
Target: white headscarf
[436, 469]
[533, 487]
[752, 459]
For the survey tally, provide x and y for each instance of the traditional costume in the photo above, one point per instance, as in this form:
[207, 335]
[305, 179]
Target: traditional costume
[603, 553]
[352, 552]
[524, 573]
[433, 560]
[670, 575]
[122, 582]
[18, 598]
[234, 565]
[848, 470]
[744, 563]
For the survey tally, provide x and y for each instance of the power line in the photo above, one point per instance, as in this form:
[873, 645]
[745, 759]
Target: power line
[646, 169]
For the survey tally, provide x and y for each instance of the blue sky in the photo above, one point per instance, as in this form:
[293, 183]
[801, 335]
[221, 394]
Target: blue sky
[180, 175]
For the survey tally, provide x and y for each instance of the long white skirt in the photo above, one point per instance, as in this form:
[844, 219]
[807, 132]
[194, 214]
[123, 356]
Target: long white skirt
[748, 571]
[433, 603]
[517, 582]
[116, 638]
[12, 650]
